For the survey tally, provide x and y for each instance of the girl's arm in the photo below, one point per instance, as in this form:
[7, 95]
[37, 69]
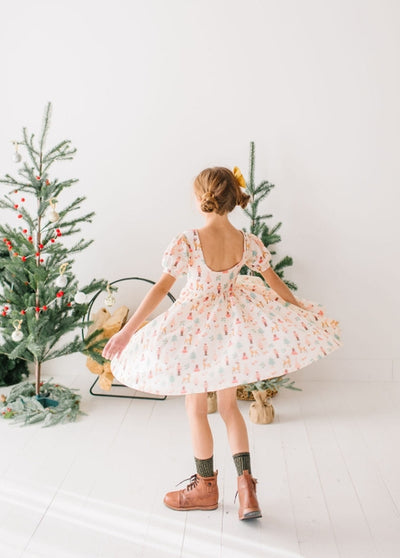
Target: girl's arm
[276, 284]
[118, 342]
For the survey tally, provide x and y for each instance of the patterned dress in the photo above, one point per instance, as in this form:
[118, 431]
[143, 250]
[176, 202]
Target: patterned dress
[224, 330]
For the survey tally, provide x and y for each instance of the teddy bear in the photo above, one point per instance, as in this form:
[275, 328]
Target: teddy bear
[108, 325]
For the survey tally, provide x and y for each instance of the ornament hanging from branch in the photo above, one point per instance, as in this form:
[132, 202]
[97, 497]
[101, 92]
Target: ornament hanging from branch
[80, 297]
[17, 335]
[52, 214]
[17, 157]
[61, 280]
[110, 299]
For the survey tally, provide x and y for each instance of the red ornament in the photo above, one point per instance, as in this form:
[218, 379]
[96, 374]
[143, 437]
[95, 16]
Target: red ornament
[9, 247]
[22, 199]
[16, 206]
[58, 232]
[23, 312]
[41, 246]
[5, 239]
[23, 258]
[44, 308]
[6, 308]
[38, 178]
[25, 231]
[47, 182]
[19, 216]
[37, 309]
[52, 240]
[37, 254]
[15, 253]
[60, 294]
[4, 313]
[69, 304]
[41, 260]
[30, 238]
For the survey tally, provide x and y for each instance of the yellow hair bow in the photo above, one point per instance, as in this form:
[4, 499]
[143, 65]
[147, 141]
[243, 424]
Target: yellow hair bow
[239, 177]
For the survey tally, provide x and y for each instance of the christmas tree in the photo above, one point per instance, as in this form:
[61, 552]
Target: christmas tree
[269, 237]
[258, 225]
[41, 300]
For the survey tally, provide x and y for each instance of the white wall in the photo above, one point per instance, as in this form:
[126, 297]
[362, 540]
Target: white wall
[153, 91]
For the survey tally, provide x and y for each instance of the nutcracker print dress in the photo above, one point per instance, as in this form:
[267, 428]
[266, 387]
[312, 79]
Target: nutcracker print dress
[224, 330]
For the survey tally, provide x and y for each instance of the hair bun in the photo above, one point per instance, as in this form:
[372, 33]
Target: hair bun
[243, 200]
[208, 202]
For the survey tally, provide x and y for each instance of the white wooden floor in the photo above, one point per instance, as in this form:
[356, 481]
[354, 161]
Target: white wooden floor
[328, 471]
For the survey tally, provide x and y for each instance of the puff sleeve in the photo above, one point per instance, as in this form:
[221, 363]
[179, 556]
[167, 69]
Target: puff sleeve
[258, 257]
[176, 256]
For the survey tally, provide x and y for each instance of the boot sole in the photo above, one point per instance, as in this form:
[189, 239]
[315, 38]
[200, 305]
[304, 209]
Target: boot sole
[204, 508]
[251, 515]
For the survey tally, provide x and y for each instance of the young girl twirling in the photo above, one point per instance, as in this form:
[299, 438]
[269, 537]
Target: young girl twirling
[224, 330]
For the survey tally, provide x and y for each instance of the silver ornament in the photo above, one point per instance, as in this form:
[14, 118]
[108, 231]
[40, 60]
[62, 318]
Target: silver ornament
[61, 281]
[80, 297]
[109, 300]
[17, 335]
[53, 215]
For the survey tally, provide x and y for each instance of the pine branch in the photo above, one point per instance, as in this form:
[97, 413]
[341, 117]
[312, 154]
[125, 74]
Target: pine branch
[31, 150]
[75, 346]
[81, 245]
[287, 261]
[46, 123]
[266, 216]
[59, 151]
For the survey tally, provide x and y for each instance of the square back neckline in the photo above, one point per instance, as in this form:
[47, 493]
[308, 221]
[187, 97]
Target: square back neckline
[222, 270]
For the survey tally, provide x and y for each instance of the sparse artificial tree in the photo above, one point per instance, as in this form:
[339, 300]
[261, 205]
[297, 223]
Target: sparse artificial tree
[41, 300]
[269, 237]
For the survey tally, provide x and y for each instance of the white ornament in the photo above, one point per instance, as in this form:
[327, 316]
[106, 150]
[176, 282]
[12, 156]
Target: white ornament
[52, 215]
[80, 297]
[61, 281]
[109, 300]
[17, 157]
[17, 335]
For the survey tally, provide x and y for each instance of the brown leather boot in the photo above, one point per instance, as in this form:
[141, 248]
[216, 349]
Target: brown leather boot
[200, 494]
[248, 504]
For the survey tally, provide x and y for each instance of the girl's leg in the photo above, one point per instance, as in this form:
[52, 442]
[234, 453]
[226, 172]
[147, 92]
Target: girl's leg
[202, 492]
[234, 421]
[239, 444]
[202, 440]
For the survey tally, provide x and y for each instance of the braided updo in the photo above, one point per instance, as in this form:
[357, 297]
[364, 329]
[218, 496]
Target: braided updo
[219, 191]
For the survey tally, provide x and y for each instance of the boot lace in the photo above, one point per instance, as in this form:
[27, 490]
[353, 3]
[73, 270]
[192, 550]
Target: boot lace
[194, 481]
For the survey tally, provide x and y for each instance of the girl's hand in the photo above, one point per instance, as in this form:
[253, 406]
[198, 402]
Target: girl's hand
[301, 305]
[116, 344]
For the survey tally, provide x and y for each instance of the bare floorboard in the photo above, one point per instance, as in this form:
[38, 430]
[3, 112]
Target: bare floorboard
[327, 471]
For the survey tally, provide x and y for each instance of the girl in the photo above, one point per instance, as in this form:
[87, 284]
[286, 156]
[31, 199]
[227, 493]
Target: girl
[224, 330]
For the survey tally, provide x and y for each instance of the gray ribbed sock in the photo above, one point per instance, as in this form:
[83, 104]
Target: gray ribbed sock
[242, 462]
[205, 467]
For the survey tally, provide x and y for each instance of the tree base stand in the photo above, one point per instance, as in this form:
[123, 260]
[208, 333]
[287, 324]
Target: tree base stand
[53, 405]
[46, 401]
